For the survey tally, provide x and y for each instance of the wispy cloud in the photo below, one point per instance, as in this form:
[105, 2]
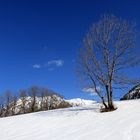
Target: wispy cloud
[91, 90]
[57, 63]
[36, 66]
[51, 65]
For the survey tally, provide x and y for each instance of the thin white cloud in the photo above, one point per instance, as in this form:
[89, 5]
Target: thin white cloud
[36, 66]
[51, 65]
[91, 90]
[57, 63]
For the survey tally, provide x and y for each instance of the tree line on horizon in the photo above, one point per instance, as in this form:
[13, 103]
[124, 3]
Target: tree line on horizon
[30, 100]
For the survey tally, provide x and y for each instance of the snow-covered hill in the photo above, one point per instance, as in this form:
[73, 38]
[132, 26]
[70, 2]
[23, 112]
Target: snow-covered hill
[76, 123]
[134, 93]
[80, 102]
[29, 104]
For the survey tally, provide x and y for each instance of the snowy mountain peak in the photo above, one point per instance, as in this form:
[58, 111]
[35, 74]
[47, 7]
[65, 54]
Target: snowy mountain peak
[134, 93]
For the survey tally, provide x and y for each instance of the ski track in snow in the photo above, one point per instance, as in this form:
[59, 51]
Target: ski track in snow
[131, 132]
[77, 123]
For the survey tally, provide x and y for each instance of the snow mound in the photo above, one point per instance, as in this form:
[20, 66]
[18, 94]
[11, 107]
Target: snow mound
[76, 123]
[81, 102]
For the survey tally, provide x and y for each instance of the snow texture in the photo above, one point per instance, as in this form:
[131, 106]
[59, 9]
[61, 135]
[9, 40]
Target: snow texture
[76, 123]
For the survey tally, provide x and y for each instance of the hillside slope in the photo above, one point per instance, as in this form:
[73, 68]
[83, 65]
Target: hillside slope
[134, 93]
[77, 123]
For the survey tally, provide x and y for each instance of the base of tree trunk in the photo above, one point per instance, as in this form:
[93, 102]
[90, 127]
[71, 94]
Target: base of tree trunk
[102, 110]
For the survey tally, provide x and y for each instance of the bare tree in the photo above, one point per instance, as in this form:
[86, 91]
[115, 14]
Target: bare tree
[34, 92]
[8, 99]
[106, 53]
[1, 105]
[44, 93]
[23, 98]
[13, 105]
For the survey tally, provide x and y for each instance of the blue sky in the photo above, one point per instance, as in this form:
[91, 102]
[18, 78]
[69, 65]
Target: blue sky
[39, 40]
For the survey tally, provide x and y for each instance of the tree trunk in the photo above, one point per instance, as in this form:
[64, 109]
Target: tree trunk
[108, 97]
[104, 103]
[111, 106]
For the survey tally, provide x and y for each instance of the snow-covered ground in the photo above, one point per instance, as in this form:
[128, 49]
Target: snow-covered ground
[77, 123]
[81, 102]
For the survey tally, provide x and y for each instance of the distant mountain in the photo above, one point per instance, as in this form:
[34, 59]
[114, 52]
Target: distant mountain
[134, 93]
